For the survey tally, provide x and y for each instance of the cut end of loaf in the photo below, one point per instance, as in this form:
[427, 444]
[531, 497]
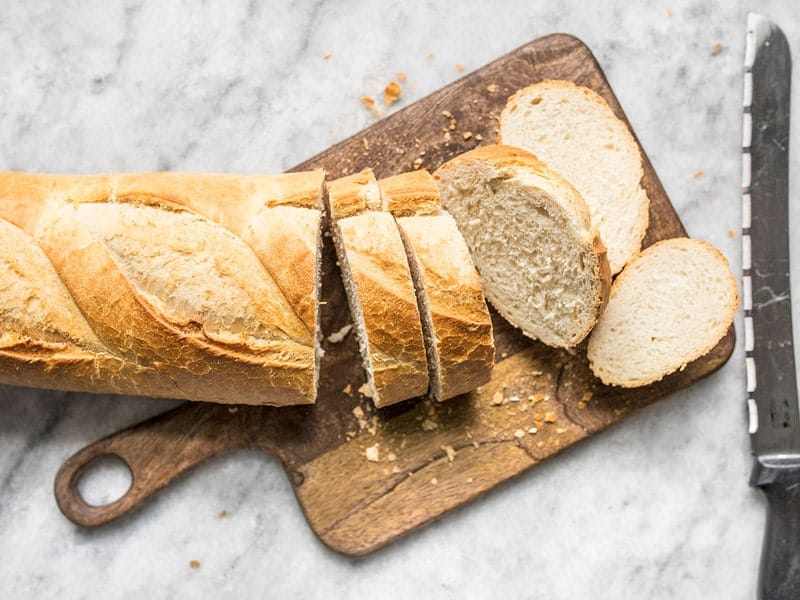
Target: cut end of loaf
[529, 235]
[670, 305]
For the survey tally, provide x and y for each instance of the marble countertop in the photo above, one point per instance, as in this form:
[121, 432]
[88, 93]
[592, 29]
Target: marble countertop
[657, 507]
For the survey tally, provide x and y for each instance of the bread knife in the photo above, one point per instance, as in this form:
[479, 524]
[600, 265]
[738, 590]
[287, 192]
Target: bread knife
[774, 416]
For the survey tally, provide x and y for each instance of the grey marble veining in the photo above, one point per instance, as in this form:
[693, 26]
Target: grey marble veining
[658, 507]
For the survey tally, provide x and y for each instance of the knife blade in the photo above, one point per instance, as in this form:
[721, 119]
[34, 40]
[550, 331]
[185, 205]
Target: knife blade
[769, 350]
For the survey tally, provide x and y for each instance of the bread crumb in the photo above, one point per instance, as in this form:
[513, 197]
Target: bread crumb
[504, 355]
[434, 481]
[536, 398]
[431, 55]
[459, 67]
[358, 412]
[326, 54]
[450, 451]
[369, 102]
[717, 49]
[348, 389]
[519, 434]
[698, 174]
[392, 93]
[195, 564]
[479, 137]
[670, 12]
[365, 143]
[373, 453]
[391, 457]
[349, 435]
[475, 444]
[550, 417]
[365, 390]
[533, 431]
[402, 76]
[491, 88]
[223, 513]
[417, 163]
[586, 396]
[447, 114]
[561, 430]
[447, 136]
[338, 336]
[466, 135]
[233, 409]
[469, 479]
[514, 398]
[497, 398]
[581, 404]
[428, 425]
[731, 233]
[395, 469]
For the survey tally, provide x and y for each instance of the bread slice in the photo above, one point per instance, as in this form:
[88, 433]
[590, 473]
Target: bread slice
[455, 319]
[670, 305]
[574, 131]
[541, 262]
[379, 290]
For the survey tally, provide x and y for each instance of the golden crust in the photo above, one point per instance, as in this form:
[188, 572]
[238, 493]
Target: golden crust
[411, 193]
[143, 350]
[353, 194]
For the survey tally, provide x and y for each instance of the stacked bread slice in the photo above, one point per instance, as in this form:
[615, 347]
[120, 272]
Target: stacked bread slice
[455, 319]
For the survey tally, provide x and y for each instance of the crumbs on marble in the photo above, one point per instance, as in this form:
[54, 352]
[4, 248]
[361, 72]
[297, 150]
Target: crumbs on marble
[369, 102]
[392, 93]
[223, 513]
[194, 564]
[326, 54]
[717, 49]
[431, 56]
[459, 67]
[698, 174]
[731, 233]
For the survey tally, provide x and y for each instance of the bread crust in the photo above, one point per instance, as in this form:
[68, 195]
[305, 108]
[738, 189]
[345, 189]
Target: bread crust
[136, 347]
[639, 202]
[727, 313]
[446, 281]
[509, 163]
[371, 252]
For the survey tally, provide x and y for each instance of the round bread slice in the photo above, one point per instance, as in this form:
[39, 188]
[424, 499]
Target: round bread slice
[669, 306]
[574, 131]
[541, 263]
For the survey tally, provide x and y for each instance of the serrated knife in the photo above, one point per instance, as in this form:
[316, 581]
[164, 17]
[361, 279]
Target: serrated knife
[770, 370]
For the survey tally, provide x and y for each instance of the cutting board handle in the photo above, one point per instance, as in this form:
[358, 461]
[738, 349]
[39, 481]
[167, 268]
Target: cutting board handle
[156, 451]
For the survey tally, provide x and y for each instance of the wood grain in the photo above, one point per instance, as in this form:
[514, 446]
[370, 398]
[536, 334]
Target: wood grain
[432, 458]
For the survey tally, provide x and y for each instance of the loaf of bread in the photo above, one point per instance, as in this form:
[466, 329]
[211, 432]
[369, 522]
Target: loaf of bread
[670, 305]
[200, 287]
[379, 288]
[455, 319]
[542, 264]
[574, 131]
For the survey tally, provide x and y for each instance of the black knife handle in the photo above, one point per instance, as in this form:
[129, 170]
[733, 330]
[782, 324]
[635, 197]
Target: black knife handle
[779, 478]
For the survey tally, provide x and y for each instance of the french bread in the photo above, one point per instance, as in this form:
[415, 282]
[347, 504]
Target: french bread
[455, 319]
[379, 290]
[541, 263]
[670, 305]
[162, 284]
[574, 131]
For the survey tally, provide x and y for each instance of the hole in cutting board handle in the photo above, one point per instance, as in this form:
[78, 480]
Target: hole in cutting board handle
[104, 480]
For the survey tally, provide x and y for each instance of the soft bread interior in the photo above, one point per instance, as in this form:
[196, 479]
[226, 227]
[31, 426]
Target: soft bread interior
[671, 305]
[576, 134]
[534, 251]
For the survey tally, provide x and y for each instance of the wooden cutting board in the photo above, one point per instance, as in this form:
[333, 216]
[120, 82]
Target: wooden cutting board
[432, 458]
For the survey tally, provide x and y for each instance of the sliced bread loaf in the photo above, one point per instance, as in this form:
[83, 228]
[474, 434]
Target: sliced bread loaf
[379, 289]
[528, 230]
[670, 305]
[455, 319]
[574, 131]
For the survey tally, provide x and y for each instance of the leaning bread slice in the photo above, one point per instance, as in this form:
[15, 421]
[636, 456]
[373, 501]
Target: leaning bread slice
[574, 131]
[379, 290]
[455, 320]
[671, 305]
[541, 262]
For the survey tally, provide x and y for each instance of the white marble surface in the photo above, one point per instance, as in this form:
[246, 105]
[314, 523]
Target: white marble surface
[658, 507]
